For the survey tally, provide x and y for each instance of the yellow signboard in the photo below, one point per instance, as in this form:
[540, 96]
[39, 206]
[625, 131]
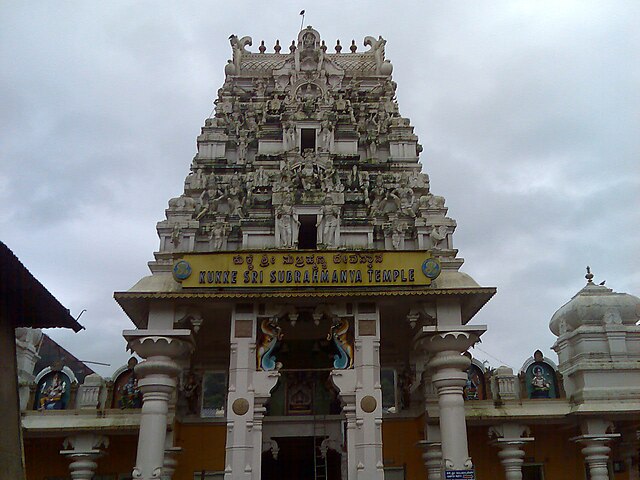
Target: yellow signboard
[306, 269]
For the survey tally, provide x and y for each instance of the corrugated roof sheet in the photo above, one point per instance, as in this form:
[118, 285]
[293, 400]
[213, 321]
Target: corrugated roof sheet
[25, 301]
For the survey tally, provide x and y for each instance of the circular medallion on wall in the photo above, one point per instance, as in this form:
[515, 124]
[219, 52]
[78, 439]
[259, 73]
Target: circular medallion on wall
[181, 270]
[431, 268]
[240, 406]
[368, 404]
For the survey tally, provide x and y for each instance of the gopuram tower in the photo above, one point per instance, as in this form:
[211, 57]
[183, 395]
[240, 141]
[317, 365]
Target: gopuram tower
[306, 296]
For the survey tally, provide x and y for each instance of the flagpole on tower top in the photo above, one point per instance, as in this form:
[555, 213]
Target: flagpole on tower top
[301, 21]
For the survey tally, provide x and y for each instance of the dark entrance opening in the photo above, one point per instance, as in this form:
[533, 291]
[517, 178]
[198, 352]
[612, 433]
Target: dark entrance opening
[307, 139]
[308, 234]
[300, 459]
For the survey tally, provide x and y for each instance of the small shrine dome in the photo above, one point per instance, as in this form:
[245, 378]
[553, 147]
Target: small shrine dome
[595, 305]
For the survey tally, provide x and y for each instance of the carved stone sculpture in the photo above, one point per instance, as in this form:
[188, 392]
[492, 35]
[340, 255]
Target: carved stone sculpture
[328, 221]
[288, 226]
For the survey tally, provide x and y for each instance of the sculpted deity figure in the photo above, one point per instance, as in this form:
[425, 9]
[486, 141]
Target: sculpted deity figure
[191, 391]
[51, 396]
[438, 236]
[218, 234]
[260, 87]
[288, 225]
[209, 199]
[330, 181]
[390, 203]
[176, 235]
[308, 57]
[407, 199]
[274, 105]
[325, 137]
[540, 385]
[328, 220]
[261, 179]
[289, 137]
[242, 145]
[234, 195]
[307, 175]
[341, 103]
[379, 194]
[397, 235]
[284, 180]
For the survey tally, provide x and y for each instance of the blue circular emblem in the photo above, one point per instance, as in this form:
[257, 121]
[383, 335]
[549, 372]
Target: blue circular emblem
[182, 270]
[431, 268]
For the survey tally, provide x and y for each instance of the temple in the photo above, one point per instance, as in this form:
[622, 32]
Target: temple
[306, 315]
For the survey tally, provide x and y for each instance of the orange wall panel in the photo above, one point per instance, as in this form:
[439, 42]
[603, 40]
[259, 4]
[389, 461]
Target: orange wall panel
[202, 449]
[400, 447]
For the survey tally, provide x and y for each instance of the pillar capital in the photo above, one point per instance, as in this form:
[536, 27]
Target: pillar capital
[157, 380]
[511, 438]
[459, 338]
[596, 453]
[160, 343]
[83, 450]
[449, 377]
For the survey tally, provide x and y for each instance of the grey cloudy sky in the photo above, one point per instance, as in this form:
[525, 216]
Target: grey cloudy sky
[529, 112]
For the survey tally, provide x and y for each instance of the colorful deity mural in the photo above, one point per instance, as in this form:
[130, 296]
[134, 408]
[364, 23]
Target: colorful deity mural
[53, 392]
[541, 381]
[540, 378]
[343, 342]
[475, 387]
[126, 393]
[269, 340]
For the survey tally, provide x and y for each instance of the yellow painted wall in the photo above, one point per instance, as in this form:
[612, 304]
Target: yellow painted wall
[202, 449]
[43, 459]
[552, 446]
[399, 446]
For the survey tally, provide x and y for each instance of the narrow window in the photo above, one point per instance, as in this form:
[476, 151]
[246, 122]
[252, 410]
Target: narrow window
[307, 139]
[308, 235]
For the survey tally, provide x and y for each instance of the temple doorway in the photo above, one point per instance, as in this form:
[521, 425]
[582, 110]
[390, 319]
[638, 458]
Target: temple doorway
[299, 458]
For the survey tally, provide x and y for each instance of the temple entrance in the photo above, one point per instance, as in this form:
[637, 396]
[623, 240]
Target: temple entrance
[299, 458]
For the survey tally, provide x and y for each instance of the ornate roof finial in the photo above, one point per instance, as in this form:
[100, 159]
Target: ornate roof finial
[277, 47]
[589, 275]
[323, 47]
[292, 47]
[338, 46]
[262, 48]
[353, 46]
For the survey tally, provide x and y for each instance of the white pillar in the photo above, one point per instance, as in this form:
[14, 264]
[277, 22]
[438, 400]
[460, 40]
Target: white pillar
[157, 381]
[510, 438]
[596, 446]
[449, 377]
[83, 450]
[345, 382]
[596, 454]
[249, 389]
[432, 455]
[361, 395]
[432, 458]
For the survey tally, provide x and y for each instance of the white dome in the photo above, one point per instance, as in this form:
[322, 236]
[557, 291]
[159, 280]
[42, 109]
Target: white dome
[595, 305]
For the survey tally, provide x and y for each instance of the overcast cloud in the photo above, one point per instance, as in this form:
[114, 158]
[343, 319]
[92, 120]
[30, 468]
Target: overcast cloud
[529, 113]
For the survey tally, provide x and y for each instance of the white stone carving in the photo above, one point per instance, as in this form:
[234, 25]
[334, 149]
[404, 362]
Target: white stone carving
[328, 222]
